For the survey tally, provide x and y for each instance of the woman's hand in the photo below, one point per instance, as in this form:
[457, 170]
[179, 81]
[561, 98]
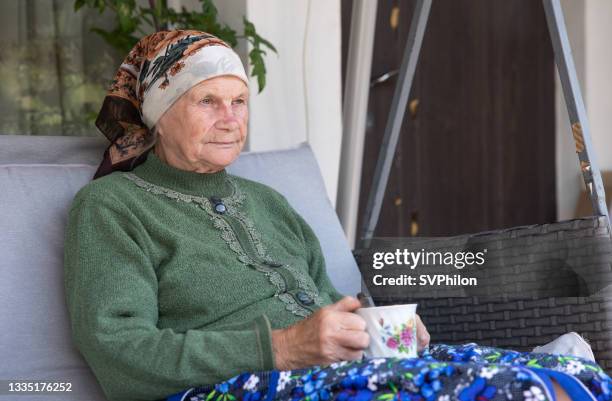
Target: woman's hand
[331, 334]
[422, 335]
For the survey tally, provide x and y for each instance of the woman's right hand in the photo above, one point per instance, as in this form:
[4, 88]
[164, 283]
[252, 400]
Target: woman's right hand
[331, 334]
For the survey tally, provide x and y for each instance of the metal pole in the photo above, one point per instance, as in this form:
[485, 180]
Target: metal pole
[575, 107]
[356, 94]
[396, 116]
[392, 129]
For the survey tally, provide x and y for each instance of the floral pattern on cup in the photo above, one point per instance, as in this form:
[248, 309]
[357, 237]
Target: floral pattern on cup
[399, 337]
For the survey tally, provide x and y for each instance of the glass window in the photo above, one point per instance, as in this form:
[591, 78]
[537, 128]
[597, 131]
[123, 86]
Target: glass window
[54, 71]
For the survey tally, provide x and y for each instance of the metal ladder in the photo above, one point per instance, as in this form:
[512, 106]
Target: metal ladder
[571, 92]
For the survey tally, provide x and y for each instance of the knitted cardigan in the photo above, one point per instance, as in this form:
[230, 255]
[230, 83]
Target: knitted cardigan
[168, 289]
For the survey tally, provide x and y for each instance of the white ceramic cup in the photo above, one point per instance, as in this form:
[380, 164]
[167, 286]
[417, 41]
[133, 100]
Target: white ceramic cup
[392, 330]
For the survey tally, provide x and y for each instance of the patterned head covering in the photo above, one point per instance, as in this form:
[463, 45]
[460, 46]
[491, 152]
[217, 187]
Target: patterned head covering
[157, 71]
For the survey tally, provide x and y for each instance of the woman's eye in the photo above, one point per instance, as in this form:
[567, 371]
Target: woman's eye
[239, 101]
[206, 100]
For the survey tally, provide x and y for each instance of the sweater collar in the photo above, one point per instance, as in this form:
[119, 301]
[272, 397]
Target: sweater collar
[159, 173]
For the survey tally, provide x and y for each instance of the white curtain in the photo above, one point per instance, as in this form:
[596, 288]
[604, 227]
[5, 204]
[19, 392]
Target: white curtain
[54, 70]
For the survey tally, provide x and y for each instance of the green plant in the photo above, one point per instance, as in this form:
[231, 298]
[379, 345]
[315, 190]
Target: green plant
[131, 19]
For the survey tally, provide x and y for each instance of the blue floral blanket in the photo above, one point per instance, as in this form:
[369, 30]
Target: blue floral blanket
[442, 372]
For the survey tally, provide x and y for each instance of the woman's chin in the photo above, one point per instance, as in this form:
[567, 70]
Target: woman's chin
[219, 155]
[223, 160]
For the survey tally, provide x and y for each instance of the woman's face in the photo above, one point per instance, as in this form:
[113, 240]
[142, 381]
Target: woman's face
[205, 129]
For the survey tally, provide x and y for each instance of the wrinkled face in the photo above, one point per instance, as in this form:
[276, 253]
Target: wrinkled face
[205, 129]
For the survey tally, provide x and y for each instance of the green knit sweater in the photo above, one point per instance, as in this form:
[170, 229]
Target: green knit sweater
[165, 293]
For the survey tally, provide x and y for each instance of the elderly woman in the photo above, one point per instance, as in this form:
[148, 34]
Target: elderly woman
[179, 274]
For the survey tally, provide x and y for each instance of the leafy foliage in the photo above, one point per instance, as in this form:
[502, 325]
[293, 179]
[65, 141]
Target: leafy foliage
[131, 21]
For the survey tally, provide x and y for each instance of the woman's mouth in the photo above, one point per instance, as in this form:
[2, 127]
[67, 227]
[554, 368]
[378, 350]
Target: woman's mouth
[229, 143]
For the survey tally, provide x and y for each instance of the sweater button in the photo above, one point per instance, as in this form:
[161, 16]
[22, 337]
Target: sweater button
[304, 298]
[218, 205]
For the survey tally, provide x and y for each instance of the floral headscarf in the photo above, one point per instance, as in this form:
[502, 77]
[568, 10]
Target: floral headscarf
[157, 71]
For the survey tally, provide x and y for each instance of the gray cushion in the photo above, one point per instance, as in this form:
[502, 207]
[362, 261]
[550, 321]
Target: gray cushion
[39, 176]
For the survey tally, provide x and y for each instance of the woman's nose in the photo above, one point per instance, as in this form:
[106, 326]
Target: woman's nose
[226, 114]
[227, 118]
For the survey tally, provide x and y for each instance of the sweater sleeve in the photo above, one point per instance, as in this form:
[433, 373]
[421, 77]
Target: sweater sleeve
[111, 292]
[316, 261]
